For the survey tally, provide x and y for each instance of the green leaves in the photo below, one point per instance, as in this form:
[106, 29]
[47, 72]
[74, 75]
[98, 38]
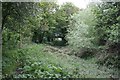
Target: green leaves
[42, 70]
[114, 35]
[80, 29]
[108, 21]
[27, 68]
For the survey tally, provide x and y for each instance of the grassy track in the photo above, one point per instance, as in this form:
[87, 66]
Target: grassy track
[40, 61]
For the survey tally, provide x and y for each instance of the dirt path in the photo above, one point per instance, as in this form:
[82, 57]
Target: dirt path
[62, 50]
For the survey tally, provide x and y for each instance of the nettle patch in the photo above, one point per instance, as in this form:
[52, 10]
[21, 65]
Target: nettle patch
[41, 70]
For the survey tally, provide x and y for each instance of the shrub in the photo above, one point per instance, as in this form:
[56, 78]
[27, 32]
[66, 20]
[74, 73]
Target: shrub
[81, 34]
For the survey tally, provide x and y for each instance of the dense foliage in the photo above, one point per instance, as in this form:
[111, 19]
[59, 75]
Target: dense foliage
[16, 23]
[81, 29]
[53, 23]
[98, 31]
[107, 30]
[107, 15]
[91, 33]
[40, 62]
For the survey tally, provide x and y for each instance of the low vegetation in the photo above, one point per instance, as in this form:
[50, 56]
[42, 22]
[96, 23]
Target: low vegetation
[37, 62]
[47, 40]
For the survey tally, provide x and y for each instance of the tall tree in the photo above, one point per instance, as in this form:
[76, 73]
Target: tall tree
[16, 22]
[81, 29]
[107, 15]
[63, 19]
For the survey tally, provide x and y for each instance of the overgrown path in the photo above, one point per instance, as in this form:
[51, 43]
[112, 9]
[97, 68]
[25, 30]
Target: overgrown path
[88, 68]
[43, 61]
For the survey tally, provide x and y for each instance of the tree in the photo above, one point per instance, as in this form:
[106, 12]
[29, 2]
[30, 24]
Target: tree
[46, 21]
[54, 22]
[16, 22]
[107, 16]
[107, 29]
[63, 16]
[81, 30]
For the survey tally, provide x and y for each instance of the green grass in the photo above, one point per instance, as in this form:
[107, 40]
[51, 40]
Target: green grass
[36, 62]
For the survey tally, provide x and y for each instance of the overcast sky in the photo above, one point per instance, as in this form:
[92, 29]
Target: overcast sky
[78, 3]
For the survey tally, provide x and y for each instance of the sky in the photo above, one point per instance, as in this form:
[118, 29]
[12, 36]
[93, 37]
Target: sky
[79, 3]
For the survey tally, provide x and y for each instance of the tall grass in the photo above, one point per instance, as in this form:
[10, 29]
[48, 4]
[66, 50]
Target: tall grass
[33, 61]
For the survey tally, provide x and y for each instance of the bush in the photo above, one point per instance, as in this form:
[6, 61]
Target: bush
[109, 55]
[81, 35]
[10, 39]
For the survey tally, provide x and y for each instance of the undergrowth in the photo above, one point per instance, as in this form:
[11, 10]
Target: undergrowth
[32, 61]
